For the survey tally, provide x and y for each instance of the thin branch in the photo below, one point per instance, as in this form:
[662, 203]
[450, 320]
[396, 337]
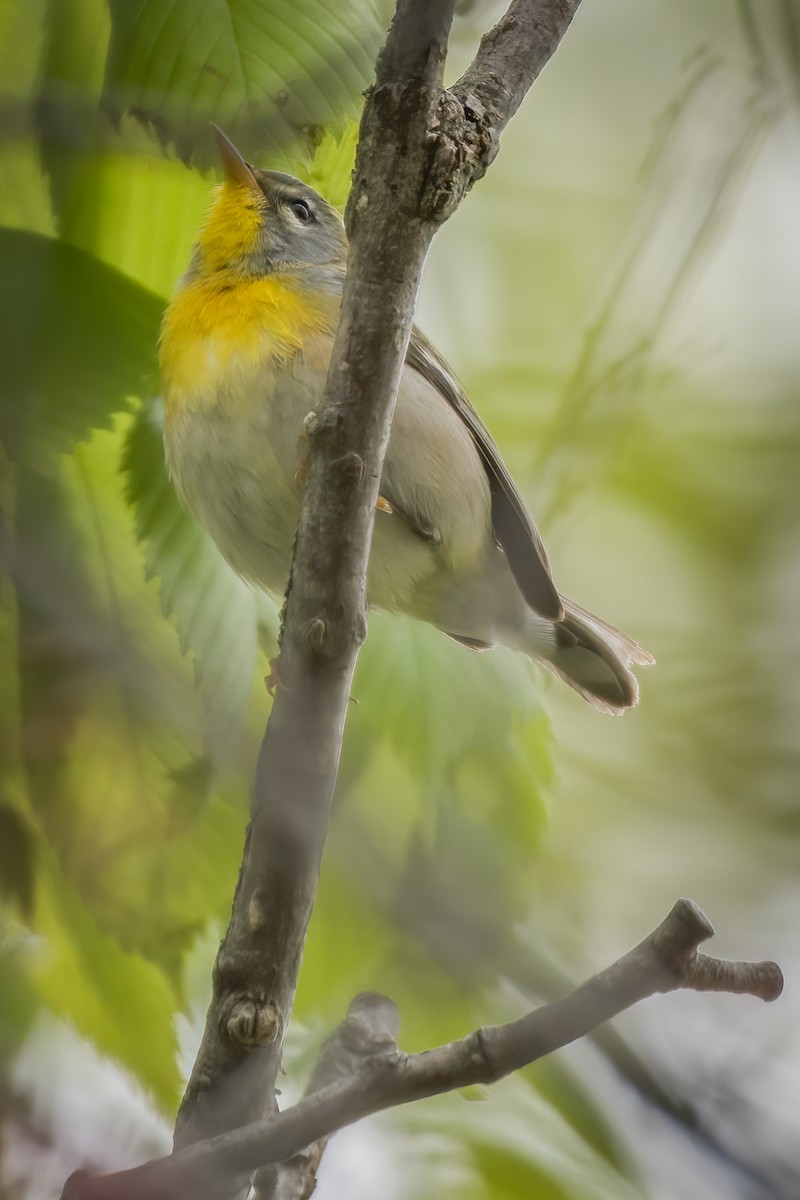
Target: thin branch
[666, 960]
[474, 112]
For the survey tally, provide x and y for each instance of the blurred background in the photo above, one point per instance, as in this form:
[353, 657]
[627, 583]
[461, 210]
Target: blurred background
[621, 298]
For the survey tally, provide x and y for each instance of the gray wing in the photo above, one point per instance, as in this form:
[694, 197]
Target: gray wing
[513, 527]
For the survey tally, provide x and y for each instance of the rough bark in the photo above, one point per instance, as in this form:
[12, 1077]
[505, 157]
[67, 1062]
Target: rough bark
[408, 150]
[256, 970]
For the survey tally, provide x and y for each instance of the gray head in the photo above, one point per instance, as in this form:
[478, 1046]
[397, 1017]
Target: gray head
[263, 221]
[299, 225]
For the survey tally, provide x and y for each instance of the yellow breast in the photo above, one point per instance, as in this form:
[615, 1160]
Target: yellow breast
[219, 326]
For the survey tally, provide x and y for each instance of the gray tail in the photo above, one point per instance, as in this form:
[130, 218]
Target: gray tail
[595, 659]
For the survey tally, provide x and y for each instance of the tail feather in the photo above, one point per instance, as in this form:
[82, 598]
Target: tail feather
[595, 658]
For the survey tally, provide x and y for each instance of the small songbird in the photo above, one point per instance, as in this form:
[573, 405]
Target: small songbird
[245, 347]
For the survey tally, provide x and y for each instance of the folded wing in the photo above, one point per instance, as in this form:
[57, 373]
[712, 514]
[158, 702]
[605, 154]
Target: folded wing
[513, 527]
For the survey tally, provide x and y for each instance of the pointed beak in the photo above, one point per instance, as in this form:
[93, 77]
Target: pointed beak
[234, 167]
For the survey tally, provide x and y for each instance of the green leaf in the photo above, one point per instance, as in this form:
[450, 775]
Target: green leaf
[17, 857]
[463, 888]
[519, 1146]
[18, 1001]
[434, 700]
[215, 612]
[71, 67]
[77, 339]
[73, 54]
[23, 198]
[459, 753]
[267, 71]
[137, 212]
[562, 1086]
[332, 165]
[122, 1003]
[509, 1176]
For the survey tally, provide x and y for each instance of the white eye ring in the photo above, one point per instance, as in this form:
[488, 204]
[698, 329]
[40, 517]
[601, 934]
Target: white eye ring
[301, 211]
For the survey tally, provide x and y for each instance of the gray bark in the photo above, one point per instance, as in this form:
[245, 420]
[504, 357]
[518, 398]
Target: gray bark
[666, 960]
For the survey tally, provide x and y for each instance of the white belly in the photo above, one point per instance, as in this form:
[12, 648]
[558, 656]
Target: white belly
[237, 473]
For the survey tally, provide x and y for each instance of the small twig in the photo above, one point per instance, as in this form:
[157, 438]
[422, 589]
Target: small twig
[666, 960]
[370, 1028]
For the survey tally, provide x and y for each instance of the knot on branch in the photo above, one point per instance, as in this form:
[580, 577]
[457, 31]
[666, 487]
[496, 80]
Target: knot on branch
[318, 424]
[316, 631]
[252, 1022]
[350, 465]
[311, 423]
[462, 142]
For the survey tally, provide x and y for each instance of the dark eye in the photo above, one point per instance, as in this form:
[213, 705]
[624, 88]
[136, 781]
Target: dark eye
[300, 210]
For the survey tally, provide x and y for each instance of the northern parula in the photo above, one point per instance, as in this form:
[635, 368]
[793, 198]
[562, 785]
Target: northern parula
[245, 347]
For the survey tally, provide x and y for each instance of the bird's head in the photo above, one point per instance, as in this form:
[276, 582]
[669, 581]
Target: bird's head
[262, 222]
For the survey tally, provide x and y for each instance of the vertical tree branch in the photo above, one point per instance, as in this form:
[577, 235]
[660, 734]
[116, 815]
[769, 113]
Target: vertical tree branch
[256, 970]
[419, 151]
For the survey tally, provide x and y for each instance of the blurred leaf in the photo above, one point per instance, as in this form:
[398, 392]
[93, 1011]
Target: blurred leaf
[619, 370]
[192, 880]
[77, 339]
[18, 1001]
[705, 490]
[580, 1107]
[107, 720]
[772, 36]
[136, 212]
[215, 612]
[347, 946]
[71, 67]
[462, 890]
[433, 700]
[62, 644]
[122, 1003]
[17, 858]
[267, 71]
[23, 197]
[75, 42]
[470, 753]
[113, 194]
[332, 165]
[20, 30]
[510, 1176]
[519, 1146]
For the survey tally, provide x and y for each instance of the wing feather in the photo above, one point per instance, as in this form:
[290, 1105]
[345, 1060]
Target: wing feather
[512, 525]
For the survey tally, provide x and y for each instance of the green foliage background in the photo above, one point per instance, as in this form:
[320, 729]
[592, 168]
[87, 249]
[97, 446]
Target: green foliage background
[492, 838]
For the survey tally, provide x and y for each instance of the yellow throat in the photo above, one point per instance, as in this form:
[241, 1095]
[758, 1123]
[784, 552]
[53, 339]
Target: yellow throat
[224, 318]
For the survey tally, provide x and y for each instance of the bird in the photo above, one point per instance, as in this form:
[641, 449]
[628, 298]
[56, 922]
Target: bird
[244, 350]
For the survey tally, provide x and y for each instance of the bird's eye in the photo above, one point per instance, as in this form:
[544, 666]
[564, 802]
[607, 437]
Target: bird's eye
[300, 210]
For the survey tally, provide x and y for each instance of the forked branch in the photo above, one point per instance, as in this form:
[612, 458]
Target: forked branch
[383, 1077]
